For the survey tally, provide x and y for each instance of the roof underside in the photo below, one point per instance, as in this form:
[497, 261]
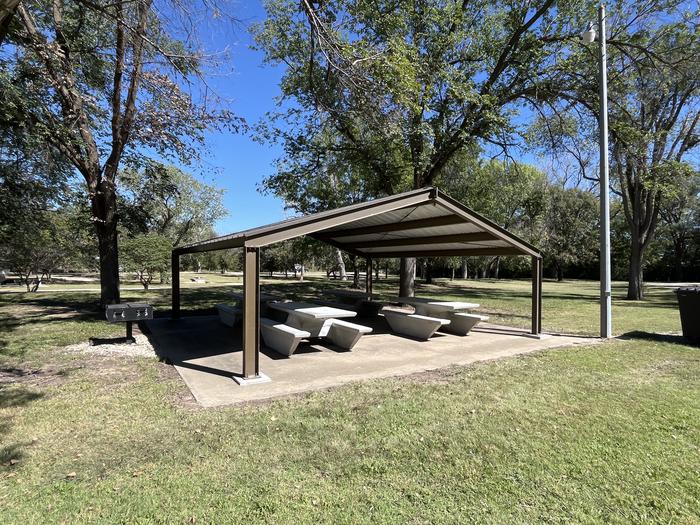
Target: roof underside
[420, 223]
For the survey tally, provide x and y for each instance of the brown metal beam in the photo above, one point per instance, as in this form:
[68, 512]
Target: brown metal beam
[338, 245]
[467, 252]
[536, 295]
[175, 285]
[251, 313]
[436, 239]
[317, 223]
[430, 222]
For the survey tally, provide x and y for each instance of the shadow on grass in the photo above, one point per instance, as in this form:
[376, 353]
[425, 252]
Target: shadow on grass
[12, 397]
[658, 338]
[17, 396]
[11, 322]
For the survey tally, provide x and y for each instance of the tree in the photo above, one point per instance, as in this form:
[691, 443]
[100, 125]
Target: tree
[402, 87]
[35, 248]
[571, 236]
[653, 80]
[34, 235]
[229, 260]
[34, 177]
[656, 127]
[512, 194]
[147, 255]
[681, 218]
[168, 201]
[101, 83]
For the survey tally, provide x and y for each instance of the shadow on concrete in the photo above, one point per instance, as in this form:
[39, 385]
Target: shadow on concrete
[183, 342]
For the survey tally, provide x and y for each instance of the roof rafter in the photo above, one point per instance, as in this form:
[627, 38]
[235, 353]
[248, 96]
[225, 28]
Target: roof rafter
[431, 222]
[414, 241]
[466, 252]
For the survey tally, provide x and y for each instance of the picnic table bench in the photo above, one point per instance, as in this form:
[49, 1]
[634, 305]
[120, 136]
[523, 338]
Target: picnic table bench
[457, 312]
[319, 321]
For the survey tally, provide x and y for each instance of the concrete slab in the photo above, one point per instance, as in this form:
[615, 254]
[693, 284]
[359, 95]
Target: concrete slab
[207, 355]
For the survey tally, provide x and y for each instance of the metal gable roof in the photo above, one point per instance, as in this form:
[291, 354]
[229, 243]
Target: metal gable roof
[418, 223]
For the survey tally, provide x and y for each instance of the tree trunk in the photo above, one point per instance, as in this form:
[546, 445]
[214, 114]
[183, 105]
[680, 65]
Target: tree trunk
[104, 211]
[376, 272]
[636, 278]
[453, 274]
[428, 273]
[407, 277]
[465, 269]
[355, 272]
[341, 264]
[7, 11]
[560, 272]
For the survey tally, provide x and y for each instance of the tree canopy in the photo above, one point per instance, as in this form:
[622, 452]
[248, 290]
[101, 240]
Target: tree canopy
[103, 85]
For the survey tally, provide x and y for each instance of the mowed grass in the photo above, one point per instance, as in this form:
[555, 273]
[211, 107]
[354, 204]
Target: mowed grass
[605, 433]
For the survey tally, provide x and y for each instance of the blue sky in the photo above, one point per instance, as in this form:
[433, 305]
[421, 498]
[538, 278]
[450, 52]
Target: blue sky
[251, 88]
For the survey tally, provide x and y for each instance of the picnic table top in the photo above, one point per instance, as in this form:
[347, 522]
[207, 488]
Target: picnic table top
[312, 310]
[436, 303]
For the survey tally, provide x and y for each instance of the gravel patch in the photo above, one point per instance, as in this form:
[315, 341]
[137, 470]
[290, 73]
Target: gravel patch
[141, 348]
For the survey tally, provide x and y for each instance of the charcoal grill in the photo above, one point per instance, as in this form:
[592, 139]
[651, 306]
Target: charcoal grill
[128, 313]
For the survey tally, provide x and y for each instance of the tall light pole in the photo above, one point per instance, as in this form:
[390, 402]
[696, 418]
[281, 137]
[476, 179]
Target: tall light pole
[588, 36]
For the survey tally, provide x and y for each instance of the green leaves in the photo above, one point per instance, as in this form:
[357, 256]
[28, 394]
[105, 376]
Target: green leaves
[404, 86]
[166, 200]
[146, 255]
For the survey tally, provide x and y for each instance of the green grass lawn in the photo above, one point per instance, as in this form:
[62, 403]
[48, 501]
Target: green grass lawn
[597, 434]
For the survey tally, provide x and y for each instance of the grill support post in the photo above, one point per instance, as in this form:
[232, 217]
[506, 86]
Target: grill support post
[129, 333]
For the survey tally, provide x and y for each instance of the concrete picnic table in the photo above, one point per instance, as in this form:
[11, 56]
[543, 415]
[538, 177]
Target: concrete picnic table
[311, 317]
[457, 312]
[434, 307]
[365, 304]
